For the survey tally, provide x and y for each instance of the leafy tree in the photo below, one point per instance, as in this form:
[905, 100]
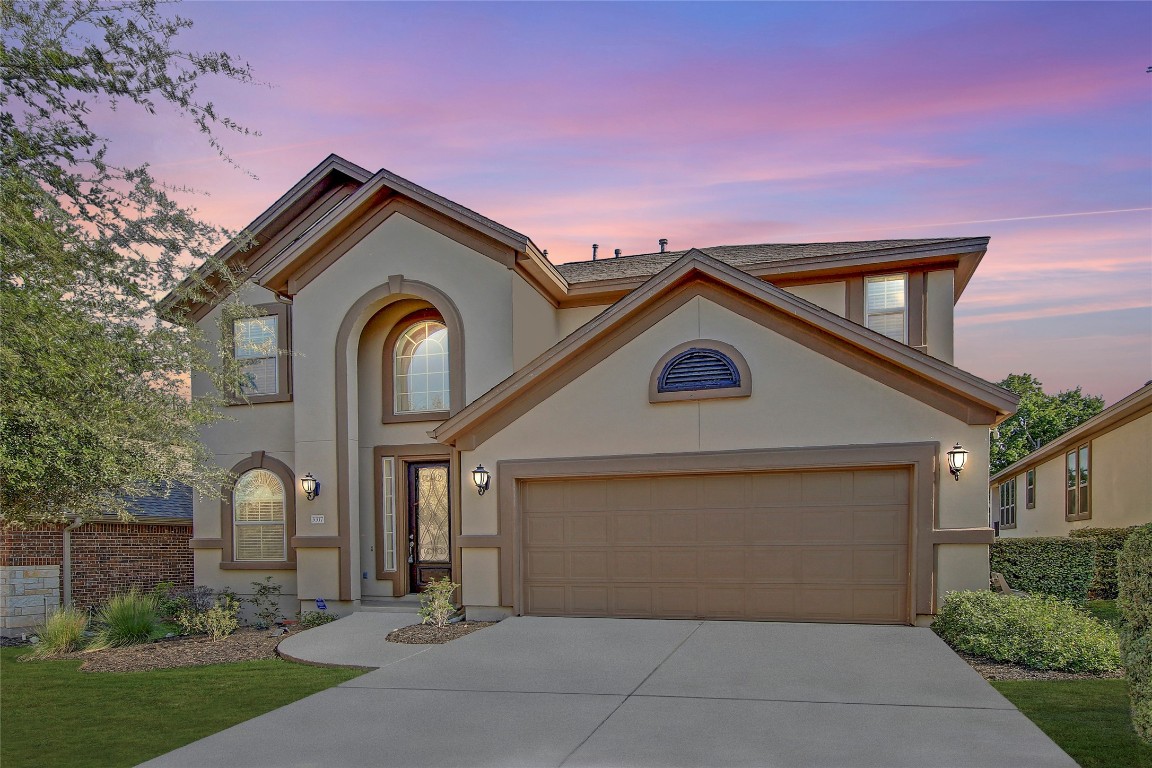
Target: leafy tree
[93, 386]
[1040, 418]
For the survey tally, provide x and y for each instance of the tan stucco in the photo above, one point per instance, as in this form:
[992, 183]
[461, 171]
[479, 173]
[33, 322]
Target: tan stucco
[939, 303]
[830, 296]
[534, 322]
[569, 320]
[480, 576]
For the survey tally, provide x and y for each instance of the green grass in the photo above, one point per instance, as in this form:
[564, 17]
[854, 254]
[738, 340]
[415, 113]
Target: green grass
[1106, 611]
[56, 715]
[1087, 718]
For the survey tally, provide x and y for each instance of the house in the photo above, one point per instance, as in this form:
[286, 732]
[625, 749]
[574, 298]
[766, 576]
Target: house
[754, 432]
[45, 566]
[1094, 476]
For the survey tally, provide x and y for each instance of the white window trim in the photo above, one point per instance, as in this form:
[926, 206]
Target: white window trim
[903, 311]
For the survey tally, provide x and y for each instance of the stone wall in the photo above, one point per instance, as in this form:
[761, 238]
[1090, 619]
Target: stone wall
[27, 595]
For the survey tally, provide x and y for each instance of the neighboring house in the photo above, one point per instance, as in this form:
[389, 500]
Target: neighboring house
[747, 432]
[45, 566]
[1094, 476]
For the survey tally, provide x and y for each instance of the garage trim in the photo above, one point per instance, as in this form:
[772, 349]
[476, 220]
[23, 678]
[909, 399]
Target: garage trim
[922, 459]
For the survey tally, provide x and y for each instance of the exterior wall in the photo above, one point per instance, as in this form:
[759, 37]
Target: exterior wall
[939, 306]
[568, 320]
[534, 324]
[1120, 486]
[830, 296]
[606, 412]
[28, 595]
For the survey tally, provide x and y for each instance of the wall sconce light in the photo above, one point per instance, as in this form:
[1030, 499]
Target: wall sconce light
[482, 478]
[310, 486]
[957, 458]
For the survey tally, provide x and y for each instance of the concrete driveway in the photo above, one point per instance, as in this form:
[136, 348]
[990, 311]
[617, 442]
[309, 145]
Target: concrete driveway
[618, 692]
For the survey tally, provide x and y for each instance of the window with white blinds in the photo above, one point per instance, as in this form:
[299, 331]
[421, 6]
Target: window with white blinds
[258, 525]
[256, 346]
[885, 306]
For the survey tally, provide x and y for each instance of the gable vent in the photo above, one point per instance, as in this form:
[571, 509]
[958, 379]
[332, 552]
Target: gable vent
[698, 368]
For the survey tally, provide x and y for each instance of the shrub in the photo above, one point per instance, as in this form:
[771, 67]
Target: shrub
[1061, 567]
[1108, 543]
[1134, 575]
[218, 619]
[266, 600]
[436, 604]
[126, 619]
[169, 600]
[1038, 631]
[310, 619]
[63, 632]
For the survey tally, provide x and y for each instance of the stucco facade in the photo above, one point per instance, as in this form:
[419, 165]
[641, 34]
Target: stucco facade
[555, 364]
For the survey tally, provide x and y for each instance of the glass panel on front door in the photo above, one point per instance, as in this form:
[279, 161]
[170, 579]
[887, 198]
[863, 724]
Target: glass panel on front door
[429, 541]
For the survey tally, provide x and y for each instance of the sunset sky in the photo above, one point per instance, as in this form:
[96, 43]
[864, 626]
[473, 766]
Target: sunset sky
[720, 123]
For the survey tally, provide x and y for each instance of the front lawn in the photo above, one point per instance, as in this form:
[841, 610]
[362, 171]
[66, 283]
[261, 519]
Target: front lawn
[1087, 718]
[56, 715]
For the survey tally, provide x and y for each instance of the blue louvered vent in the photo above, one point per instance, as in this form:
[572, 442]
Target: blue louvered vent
[698, 368]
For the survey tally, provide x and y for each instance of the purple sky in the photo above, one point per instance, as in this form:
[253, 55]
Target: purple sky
[722, 123]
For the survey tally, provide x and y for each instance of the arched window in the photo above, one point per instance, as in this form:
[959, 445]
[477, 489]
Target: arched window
[420, 368]
[259, 524]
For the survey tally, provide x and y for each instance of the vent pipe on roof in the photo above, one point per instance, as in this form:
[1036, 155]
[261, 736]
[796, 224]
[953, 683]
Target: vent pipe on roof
[595, 248]
[663, 244]
[545, 253]
[617, 253]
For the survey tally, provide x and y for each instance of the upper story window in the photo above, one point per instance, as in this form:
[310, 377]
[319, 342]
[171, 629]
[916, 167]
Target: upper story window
[257, 343]
[260, 531]
[1008, 503]
[420, 368]
[1076, 494]
[886, 305]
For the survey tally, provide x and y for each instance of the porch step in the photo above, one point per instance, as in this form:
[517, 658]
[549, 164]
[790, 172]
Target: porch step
[406, 604]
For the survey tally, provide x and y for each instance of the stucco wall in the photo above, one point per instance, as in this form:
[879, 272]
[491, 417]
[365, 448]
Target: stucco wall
[830, 296]
[939, 306]
[799, 398]
[534, 324]
[568, 320]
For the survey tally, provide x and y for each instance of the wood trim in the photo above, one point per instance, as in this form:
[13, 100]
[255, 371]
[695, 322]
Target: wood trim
[922, 460]
[388, 391]
[733, 354]
[283, 315]
[404, 455]
[258, 460]
[854, 299]
[917, 299]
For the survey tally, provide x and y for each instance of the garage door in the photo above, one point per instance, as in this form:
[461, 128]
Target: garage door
[791, 546]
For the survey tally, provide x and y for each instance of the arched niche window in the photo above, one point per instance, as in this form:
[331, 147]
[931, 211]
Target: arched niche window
[700, 370]
[259, 515]
[417, 370]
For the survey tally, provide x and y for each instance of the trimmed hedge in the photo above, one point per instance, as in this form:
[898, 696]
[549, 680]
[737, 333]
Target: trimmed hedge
[1108, 542]
[1038, 631]
[1134, 574]
[1058, 566]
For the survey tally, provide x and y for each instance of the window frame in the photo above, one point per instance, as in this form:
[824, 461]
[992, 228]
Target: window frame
[237, 525]
[390, 415]
[1007, 508]
[1079, 459]
[258, 460]
[283, 392]
[1030, 489]
[904, 310]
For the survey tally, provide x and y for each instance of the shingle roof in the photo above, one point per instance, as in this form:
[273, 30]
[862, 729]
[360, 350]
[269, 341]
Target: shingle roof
[177, 504]
[399, 182]
[739, 256]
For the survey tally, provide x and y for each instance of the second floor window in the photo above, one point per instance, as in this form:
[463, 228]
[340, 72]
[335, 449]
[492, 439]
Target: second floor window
[1077, 506]
[256, 346]
[420, 368]
[1008, 504]
[885, 306]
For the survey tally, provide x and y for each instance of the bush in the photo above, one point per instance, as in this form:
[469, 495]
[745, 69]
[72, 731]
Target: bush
[169, 600]
[1038, 631]
[63, 632]
[126, 619]
[310, 619]
[1108, 543]
[436, 604]
[217, 619]
[1134, 575]
[266, 602]
[1061, 567]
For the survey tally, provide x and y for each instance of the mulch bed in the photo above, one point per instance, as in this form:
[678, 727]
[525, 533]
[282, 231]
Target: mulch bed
[243, 645]
[429, 634]
[998, 670]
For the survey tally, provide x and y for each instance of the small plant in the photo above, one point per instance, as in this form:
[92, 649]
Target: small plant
[126, 619]
[310, 619]
[169, 600]
[220, 620]
[63, 632]
[436, 604]
[266, 600]
[1038, 631]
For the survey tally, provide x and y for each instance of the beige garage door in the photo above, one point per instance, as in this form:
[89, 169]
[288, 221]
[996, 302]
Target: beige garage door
[791, 546]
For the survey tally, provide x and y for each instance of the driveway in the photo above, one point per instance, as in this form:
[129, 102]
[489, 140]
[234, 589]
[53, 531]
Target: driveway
[618, 692]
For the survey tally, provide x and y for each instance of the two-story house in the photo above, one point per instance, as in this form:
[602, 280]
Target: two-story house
[745, 432]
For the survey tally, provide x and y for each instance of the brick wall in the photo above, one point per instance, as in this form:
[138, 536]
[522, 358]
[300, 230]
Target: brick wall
[106, 557]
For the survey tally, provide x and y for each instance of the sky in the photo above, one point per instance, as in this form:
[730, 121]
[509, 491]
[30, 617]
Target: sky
[728, 123]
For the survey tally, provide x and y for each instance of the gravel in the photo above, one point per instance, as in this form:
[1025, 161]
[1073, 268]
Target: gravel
[998, 670]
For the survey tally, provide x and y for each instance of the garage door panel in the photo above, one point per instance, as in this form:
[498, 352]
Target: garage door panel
[544, 496]
[808, 546]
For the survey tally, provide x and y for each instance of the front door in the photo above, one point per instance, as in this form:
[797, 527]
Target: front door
[429, 544]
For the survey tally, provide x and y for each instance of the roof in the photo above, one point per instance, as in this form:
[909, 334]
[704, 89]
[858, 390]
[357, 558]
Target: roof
[1137, 404]
[648, 264]
[174, 503]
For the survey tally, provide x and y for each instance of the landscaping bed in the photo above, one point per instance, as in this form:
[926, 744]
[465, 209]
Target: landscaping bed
[198, 650]
[997, 670]
[429, 634]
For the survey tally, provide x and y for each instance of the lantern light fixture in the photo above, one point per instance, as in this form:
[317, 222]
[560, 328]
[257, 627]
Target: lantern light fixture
[310, 486]
[482, 478]
[957, 458]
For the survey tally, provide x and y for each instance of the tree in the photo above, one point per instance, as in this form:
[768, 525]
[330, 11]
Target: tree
[93, 386]
[1040, 419]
